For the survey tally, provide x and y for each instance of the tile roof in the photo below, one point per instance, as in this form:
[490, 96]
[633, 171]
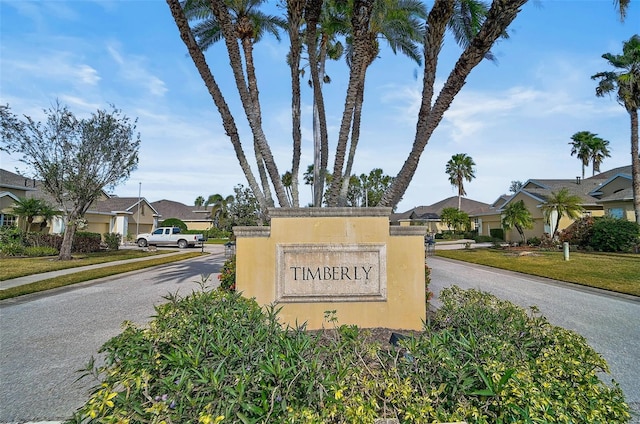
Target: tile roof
[472, 207]
[171, 209]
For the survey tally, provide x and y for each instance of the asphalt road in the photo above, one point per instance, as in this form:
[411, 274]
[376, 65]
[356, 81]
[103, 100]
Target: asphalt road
[610, 323]
[46, 338]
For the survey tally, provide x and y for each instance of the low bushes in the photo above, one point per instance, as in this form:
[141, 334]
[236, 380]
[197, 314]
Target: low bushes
[215, 357]
[602, 234]
[15, 242]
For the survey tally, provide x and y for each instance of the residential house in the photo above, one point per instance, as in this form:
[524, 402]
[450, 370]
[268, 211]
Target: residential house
[606, 193]
[609, 193]
[195, 217]
[108, 214]
[429, 216]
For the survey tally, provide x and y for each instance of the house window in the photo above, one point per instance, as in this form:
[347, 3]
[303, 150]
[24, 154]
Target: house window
[8, 220]
[616, 213]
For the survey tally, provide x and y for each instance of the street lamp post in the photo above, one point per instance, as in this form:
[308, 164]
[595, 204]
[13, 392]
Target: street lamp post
[138, 219]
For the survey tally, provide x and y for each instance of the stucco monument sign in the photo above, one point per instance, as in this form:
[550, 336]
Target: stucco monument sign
[335, 272]
[347, 260]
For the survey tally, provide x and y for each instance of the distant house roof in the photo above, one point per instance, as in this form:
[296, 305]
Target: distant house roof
[106, 204]
[587, 189]
[120, 204]
[432, 212]
[16, 181]
[171, 209]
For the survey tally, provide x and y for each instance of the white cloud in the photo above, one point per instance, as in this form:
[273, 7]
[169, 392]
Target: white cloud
[133, 68]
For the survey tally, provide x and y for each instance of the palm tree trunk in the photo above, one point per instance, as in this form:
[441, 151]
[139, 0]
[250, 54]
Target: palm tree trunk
[360, 24]
[214, 90]
[294, 14]
[635, 164]
[248, 94]
[501, 14]
[316, 68]
[355, 137]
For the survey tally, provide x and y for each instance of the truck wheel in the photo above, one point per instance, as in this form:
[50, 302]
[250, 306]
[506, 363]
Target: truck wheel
[182, 244]
[142, 243]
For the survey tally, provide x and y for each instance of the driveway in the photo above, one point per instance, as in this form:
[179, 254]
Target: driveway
[47, 338]
[610, 323]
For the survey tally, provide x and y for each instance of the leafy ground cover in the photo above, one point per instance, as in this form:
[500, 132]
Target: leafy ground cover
[216, 357]
[81, 276]
[13, 267]
[615, 272]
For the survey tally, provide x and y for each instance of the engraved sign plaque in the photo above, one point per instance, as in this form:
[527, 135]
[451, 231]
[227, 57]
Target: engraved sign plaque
[331, 272]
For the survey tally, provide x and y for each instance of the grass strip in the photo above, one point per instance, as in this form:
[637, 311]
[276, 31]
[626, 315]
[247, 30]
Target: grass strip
[19, 267]
[78, 277]
[619, 273]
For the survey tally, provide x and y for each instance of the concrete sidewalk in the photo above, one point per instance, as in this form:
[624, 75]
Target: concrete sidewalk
[28, 279]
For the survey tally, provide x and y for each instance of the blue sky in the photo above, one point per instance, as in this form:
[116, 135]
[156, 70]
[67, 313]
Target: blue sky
[515, 117]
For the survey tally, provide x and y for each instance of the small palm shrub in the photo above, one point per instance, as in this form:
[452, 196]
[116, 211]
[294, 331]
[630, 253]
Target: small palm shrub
[216, 357]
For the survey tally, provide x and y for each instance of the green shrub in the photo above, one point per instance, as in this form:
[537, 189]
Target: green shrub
[614, 235]
[34, 251]
[10, 235]
[217, 233]
[12, 248]
[174, 222]
[218, 357]
[497, 233]
[534, 241]
[483, 239]
[112, 240]
[227, 274]
[85, 242]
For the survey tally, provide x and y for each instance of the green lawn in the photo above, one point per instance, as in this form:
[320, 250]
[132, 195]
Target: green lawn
[78, 277]
[619, 273]
[19, 267]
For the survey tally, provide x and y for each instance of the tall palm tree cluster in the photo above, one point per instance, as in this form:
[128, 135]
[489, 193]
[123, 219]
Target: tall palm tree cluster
[588, 147]
[319, 30]
[624, 82]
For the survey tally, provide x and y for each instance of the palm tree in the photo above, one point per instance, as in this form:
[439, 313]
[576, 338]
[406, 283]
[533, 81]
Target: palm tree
[219, 209]
[401, 24]
[228, 121]
[460, 168]
[489, 29]
[30, 208]
[599, 150]
[199, 201]
[625, 83]
[580, 147]
[517, 215]
[559, 204]
[242, 20]
[287, 181]
[47, 213]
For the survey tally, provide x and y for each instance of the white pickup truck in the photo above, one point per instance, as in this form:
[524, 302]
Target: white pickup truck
[169, 236]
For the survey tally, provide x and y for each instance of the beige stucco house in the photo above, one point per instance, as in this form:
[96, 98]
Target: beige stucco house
[109, 214]
[609, 193]
[429, 216]
[196, 217]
